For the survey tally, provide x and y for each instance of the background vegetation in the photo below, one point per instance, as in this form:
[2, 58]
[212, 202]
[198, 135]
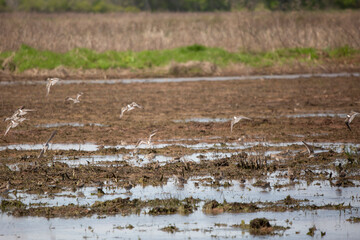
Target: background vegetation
[170, 5]
[258, 31]
[142, 40]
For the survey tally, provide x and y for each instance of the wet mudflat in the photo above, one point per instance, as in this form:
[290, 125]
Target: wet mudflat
[196, 179]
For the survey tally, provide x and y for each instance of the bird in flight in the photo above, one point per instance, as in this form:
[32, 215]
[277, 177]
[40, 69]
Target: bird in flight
[14, 122]
[148, 142]
[310, 149]
[129, 107]
[18, 113]
[46, 145]
[51, 82]
[23, 111]
[237, 119]
[16, 118]
[75, 100]
[349, 118]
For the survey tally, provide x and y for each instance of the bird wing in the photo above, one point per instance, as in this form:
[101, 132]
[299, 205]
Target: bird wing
[124, 109]
[232, 124]
[28, 110]
[134, 104]
[139, 143]
[51, 137]
[8, 129]
[348, 125]
[14, 123]
[41, 153]
[352, 116]
[19, 120]
[54, 81]
[238, 118]
[48, 85]
[246, 118]
[151, 135]
[24, 112]
[70, 99]
[308, 147]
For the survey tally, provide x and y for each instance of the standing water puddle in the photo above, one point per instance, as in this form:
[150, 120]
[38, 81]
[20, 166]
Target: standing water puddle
[204, 188]
[71, 124]
[222, 120]
[194, 79]
[203, 120]
[197, 225]
[337, 147]
[308, 115]
[194, 226]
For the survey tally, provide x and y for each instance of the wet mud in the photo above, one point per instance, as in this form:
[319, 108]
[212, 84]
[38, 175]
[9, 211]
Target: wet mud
[195, 166]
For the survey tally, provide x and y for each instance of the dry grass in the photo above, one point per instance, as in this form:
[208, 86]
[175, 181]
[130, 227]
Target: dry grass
[252, 31]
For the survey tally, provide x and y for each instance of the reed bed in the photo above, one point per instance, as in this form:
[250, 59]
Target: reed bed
[234, 31]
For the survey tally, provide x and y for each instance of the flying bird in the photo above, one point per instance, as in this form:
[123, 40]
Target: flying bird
[148, 142]
[23, 111]
[75, 100]
[237, 119]
[349, 118]
[14, 123]
[46, 145]
[18, 113]
[129, 107]
[51, 82]
[310, 149]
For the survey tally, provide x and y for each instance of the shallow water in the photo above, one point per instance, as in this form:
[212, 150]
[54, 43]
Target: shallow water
[55, 146]
[222, 120]
[193, 79]
[335, 146]
[194, 226]
[317, 192]
[203, 120]
[71, 124]
[308, 115]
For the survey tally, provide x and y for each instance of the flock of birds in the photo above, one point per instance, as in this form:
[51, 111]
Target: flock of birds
[18, 117]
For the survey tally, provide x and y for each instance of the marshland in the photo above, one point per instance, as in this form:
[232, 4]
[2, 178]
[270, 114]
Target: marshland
[293, 74]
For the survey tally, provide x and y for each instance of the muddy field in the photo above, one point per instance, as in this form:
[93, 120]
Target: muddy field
[197, 178]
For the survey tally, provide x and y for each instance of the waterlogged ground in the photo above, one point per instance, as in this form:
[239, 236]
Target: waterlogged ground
[197, 179]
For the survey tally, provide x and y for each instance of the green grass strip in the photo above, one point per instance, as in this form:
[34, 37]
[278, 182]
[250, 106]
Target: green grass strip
[27, 57]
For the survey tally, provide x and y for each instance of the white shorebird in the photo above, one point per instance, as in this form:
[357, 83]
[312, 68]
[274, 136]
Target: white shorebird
[51, 82]
[14, 123]
[349, 118]
[75, 100]
[18, 113]
[310, 149]
[237, 119]
[46, 145]
[148, 142]
[23, 111]
[129, 107]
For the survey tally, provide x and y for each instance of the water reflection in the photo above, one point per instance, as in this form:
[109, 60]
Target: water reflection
[195, 226]
[335, 146]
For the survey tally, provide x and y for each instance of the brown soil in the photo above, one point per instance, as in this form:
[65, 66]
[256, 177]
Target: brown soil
[265, 101]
